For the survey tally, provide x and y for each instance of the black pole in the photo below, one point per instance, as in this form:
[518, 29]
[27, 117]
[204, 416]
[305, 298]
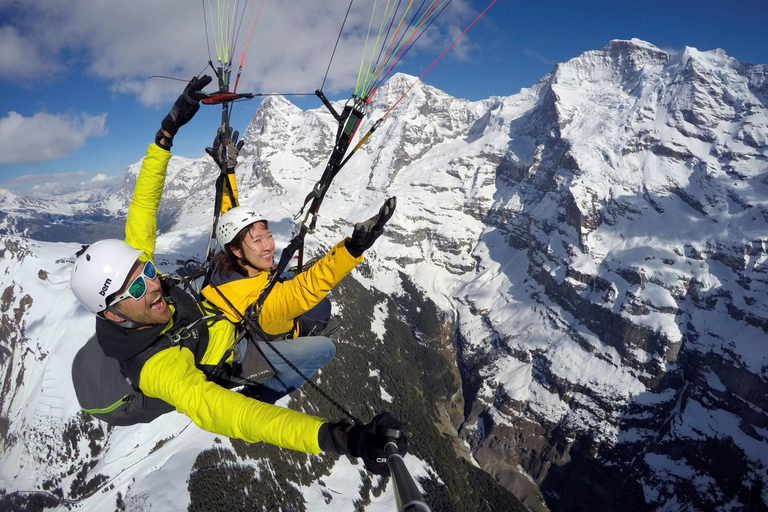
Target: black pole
[408, 496]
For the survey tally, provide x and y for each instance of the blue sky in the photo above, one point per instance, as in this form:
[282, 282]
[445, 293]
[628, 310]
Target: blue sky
[77, 102]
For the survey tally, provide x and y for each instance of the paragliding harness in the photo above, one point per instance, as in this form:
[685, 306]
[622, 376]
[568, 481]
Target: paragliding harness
[103, 385]
[348, 123]
[304, 325]
[122, 402]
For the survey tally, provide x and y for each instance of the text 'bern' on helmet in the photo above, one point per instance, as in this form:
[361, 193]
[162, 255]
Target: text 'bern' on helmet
[235, 219]
[100, 271]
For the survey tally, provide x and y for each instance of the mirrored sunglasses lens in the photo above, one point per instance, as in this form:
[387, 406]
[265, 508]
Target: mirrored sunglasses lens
[137, 288]
[149, 270]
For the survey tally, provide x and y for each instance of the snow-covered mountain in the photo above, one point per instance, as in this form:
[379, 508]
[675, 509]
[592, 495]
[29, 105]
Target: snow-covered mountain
[621, 282]
[589, 254]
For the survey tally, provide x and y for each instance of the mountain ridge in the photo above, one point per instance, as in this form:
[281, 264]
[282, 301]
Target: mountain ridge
[596, 241]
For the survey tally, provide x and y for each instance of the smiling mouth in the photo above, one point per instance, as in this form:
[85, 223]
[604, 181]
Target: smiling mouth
[158, 303]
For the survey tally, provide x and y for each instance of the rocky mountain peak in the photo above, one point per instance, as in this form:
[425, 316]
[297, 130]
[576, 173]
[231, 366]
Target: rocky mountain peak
[637, 50]
[625, 150]
[271, 117]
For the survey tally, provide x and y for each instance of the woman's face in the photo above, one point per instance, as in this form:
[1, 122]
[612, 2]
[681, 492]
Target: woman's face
[258, 248]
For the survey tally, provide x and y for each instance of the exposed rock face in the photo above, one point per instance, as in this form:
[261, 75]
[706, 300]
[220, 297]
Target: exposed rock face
[632, 357]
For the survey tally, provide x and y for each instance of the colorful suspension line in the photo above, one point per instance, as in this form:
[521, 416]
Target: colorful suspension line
[439, 57]
[375, 81]
[353, 112]
[387, 15]
[226, 29]
[400, 42]
[249, 36]
[348, 123]
[388, 53]
[335, 164]
[378, 37]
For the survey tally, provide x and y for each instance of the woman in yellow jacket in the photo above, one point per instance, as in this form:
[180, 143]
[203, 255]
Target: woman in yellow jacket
[173, 349]
[295, 308]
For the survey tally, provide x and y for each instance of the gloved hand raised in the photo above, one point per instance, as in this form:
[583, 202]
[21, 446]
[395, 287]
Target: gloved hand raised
[233, 148]
[182, 111]
[366, 232]
[366, 441]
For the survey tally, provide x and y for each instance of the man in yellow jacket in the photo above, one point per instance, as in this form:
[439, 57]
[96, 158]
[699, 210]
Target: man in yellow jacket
[174, 350]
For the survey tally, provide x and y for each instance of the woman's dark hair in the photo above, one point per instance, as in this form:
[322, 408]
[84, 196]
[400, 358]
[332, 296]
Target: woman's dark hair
[227, 263]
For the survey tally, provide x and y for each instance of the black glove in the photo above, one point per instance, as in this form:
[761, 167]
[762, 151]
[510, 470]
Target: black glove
[182, 111]
[233, 148]
[365, 233]
[365, 441]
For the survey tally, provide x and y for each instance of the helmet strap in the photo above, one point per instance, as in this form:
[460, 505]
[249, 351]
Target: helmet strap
[244, 262]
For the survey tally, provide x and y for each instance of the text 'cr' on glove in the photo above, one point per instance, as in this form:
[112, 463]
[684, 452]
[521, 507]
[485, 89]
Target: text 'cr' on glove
[365, 441]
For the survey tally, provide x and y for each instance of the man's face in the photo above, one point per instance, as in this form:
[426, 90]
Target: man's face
[151, 308]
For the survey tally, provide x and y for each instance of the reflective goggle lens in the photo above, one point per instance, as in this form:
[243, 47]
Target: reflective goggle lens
[149, 270]
[138, 287]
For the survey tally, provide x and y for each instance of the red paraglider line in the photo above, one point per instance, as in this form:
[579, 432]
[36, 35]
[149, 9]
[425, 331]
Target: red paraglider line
[435, 61]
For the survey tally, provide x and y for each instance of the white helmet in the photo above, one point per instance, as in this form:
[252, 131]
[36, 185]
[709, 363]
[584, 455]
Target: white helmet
[100, 271]
[235, 219]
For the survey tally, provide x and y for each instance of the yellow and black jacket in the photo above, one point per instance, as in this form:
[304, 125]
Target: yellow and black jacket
[174, 369]
[288, 299]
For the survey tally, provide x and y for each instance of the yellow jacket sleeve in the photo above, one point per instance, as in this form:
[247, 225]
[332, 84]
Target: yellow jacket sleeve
[171, 375]
[288, 299]
[141, 223]
[226, 201]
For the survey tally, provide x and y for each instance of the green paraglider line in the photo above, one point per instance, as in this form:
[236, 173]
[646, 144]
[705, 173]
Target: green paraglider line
[405, 48]
[400, 24]
[365, 48]
[400, 47]
[437, 59]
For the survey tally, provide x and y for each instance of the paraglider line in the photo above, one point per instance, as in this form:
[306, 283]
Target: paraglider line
[379, 65]
[389, 29]
[207, 41]
[337, 44]
[412, 44]
[167, 78]
[437, 59]
[402, 50]
[175, 78]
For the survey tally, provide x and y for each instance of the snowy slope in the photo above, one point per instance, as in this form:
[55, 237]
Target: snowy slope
[598, 241]
[622, 284]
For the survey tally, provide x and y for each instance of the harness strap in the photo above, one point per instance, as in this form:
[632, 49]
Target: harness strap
[176, 336]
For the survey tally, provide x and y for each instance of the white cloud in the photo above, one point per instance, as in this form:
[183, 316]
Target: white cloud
[30, 179]
[125, 42]
[58, 184]
[21, 58]
[102, 178]
[45, 136]
[53, 185]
